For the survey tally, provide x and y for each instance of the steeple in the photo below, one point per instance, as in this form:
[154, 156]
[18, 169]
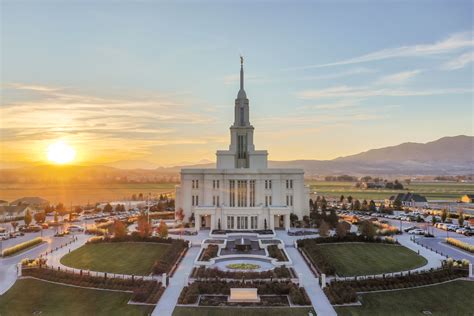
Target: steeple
[241, 94]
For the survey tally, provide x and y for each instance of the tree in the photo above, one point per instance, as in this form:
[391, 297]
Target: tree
[397, 204]
[108, 208]
[367, 229]
[341, 230]
[14, 225]
[444, 215]
[144, 228]
[341, 199]
[323, 229]
[163, 229]
[78, 209]
[39, 217]
[332, 218]
[311, 204]
[179, 214]
[357, 205]
[324, 204]
[28, 218]
[293, 219]
[120, 230]
[433, 219]
[365, 205]
[461, 218]
[372, 207]
[61, 209]
[55, 217]
[349, 199]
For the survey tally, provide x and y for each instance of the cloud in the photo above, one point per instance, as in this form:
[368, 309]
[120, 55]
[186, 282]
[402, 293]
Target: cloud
[452, 43]
[370, 91]
[398, 78]
[459, 62]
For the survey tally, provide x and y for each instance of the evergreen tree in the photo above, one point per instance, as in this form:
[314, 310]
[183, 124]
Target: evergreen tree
[28, 218]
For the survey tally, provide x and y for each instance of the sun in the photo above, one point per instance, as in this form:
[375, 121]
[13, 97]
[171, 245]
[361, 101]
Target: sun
[61, 153]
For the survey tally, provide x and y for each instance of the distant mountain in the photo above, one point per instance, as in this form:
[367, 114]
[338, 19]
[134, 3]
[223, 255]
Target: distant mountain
[445, 156]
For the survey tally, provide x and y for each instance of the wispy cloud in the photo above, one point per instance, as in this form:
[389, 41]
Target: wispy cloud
[371, 91]
[399, 77]
[450, 44]
[459, 62]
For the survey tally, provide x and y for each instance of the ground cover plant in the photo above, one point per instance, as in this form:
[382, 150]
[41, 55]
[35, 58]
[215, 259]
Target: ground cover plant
[248, 311]
[213, 273]
[209, 253]
[277, 253]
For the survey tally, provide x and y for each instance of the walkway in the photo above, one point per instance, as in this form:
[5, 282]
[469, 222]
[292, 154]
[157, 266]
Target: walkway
[169, 299]
[319, 300]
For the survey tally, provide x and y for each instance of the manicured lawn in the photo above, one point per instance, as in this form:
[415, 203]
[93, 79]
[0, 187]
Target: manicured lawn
[454, 298]
[351, 259]
[235, 311]
[124, 258]
[30, 297]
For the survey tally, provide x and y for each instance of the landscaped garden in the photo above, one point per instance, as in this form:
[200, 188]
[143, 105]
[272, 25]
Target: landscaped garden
[358, 255]
[35, 297]
[453, 298]
[122, 258]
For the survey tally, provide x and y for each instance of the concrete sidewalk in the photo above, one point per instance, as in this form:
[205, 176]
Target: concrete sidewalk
[169, 299]
[320, 302]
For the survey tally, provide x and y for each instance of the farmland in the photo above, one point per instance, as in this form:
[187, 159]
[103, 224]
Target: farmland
[432, 190]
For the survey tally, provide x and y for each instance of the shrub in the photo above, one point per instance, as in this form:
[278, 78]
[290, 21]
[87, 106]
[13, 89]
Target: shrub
[19, 247]
[459, 244]
[277, 253]
[209, 253]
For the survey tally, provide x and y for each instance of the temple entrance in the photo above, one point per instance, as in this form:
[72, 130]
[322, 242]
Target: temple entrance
[279, 221]
[205, 221]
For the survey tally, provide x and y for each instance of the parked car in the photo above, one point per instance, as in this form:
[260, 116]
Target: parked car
[460, 230]
[75, 228]
[406, 230]
[468, 232]
[4, 236]
[417, 231]
[453, 227]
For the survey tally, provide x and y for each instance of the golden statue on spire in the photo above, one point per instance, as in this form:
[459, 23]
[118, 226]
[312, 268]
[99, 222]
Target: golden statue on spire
[241, 60]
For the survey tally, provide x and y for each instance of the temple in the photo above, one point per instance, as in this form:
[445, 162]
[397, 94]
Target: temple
[242, 193]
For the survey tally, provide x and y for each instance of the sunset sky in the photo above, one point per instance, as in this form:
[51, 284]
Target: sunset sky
[141, 80]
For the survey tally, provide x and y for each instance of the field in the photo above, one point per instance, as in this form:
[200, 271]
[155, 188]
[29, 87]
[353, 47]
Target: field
[82, 193]
[352, 259]
[432, 190]
[454, 298]
[229, 311]
[34, 297]
[123, 258]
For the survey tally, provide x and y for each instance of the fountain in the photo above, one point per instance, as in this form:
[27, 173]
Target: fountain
[243, 245]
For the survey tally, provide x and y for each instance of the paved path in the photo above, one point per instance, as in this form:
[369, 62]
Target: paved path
[169, 299]
[319, 300]
[439, 244]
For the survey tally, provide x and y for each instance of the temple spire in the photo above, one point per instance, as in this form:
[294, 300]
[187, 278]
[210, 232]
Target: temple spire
[241, 94]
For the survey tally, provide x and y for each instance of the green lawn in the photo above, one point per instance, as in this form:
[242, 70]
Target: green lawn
[432, 190]
[454, 298]
[123, 258]
[351, 259]
[34, 297]
[235, 311]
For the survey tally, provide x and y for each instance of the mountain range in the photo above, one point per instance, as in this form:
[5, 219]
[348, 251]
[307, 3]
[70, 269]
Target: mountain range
[445, 156]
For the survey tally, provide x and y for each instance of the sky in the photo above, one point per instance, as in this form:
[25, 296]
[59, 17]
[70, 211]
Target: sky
[156, 80]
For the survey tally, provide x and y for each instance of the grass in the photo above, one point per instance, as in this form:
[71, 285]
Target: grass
[30, 297]
[432, 190]
[121, 258]
[79, 193]
[454, 298]
[352, 259]
[234, 311]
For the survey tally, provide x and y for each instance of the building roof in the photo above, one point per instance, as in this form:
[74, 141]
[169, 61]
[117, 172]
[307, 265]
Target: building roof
[408, 197]
[30, 200]
[12, 209]
[471, 196]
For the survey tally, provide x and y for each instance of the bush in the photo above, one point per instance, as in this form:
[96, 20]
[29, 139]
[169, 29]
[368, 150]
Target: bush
[19, 247]
[461, 245]
[277, 253]
[209, 253]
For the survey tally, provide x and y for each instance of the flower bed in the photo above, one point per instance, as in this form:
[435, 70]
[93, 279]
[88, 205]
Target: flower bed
[190, 293]
[341, 292]
[265, 300]
[277, 253]
[243, 266]
[348, 238]
[209, 253]
[22, 246]
[143, 291]
[212, 273]
[461, 245]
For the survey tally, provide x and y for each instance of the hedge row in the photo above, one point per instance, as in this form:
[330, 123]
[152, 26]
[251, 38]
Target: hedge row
[461, 245]
[22, 246]
[348, 238]
[340, 292]
[212, 273]
[190, 293]
[209, 253]
[277, 253]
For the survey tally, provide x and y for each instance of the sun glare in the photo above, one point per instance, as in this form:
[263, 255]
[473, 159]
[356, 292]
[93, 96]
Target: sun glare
[61, 153]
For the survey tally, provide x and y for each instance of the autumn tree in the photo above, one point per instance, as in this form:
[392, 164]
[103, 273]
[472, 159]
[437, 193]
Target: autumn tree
[14, 225]
[144, 227]
[341, 229]
[444, 215]
[39, 217]
[163, 229]
[367, 229]
[461, 218]
[324, 229]
[120, 230]
[108, 208]
[357, 205]
[28, 218]
[180, 214]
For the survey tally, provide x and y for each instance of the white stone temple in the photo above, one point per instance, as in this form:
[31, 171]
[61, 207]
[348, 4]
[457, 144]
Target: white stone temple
[242, 193]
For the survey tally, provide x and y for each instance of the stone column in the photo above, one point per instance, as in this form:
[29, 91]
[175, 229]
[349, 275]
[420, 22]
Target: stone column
[18, 268]
[471, 272]
[163, 280]
[287, 222]
[197, 222]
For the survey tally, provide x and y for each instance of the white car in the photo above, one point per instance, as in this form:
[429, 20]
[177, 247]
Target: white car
[75, 228]
[4, 236]
[417, 231]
